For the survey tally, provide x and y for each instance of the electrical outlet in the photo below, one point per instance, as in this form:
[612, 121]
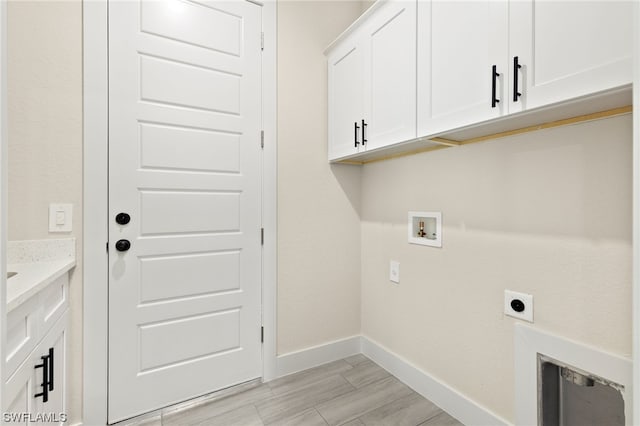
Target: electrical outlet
[394, 271]
[518, 305]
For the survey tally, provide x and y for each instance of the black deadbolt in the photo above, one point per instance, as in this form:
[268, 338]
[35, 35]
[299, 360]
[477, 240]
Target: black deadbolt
[123, 245]
[122, 218]
[517, 305]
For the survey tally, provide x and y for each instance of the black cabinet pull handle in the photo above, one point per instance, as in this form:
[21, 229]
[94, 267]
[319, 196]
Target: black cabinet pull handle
[364, 140]
[516, 67]
[355, 134]
[51, 378]
[45, 378]
[494, 77]
[123, 245]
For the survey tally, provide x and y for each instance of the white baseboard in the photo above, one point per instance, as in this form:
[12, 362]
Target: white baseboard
[450, 400]
[317, 355]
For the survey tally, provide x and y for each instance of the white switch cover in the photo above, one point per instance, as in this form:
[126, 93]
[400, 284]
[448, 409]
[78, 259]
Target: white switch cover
[60, 217]
[394, 271]
[518, 305]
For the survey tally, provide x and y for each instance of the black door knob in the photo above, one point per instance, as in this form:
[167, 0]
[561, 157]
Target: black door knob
[123, 218]
[123, 245]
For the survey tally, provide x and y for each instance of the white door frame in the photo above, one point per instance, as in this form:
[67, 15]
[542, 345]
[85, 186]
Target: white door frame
[95, 203]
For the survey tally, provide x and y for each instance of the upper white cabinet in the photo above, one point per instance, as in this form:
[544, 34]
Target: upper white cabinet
[390, 74]
[408, 75]
[372, 81]
[462, 62]
[568, 49]
[346, 98]
[480, 60]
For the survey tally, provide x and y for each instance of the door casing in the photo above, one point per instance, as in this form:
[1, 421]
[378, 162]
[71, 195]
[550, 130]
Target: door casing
[95, 204]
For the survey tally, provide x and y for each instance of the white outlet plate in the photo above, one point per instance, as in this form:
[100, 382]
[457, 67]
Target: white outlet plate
[60, 217]
[394, 271]
[527, 299]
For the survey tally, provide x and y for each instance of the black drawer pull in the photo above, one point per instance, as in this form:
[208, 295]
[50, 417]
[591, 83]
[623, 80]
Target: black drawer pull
[364, 140]
[51, 378]
[45, 378]
[516, 68]
[494, 78]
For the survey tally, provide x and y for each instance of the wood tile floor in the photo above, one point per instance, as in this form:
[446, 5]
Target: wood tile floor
[352, 392]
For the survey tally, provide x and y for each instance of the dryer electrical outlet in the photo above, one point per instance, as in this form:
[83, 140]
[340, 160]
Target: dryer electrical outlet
[518, 305]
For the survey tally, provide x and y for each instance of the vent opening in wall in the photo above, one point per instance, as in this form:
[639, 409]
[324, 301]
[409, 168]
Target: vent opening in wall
[570, 396]
[425, 228]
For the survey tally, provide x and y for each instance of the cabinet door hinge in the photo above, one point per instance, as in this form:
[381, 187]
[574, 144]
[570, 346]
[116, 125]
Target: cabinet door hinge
[261, 138]
[261, 236]
[262, 40]
[262, 334]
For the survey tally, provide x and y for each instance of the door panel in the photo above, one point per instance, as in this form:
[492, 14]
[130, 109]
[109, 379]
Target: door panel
[185, 163]
[199, 274]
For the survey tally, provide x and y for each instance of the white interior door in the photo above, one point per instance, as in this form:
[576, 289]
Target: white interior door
[185, 165]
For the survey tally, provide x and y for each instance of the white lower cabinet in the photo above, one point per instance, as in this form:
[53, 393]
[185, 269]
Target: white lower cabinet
[36, 364]
[35, 393]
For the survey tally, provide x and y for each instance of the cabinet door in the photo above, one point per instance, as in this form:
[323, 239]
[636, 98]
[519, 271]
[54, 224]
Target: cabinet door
[390, 69]
[19, 396]
[568, 49]
[459, 42]
[346, 99]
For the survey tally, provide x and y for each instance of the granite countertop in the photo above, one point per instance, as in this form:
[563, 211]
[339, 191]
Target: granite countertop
[38, 263]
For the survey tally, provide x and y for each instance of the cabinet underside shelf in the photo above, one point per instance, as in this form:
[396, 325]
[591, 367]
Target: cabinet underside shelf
[594, 107]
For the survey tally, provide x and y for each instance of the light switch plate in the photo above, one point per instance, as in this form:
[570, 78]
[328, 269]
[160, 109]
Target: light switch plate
[394, 271]
[60, 217]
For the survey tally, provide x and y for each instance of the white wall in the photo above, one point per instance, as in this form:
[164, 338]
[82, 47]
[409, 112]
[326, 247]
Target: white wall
[45, 138]
[318, 204]
[546, 213]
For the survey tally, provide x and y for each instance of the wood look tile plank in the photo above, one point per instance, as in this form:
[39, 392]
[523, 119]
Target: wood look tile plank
[442, 419]
[356, 359]
[209, 409]
[365, 373]
[145, 420]
[246, 415]
[296, 381]
[309, 417]
[358, 402]
[355, 422]
[279, 408]
[408, 411]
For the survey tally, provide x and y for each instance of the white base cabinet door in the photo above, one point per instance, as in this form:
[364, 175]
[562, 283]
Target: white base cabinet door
[460, 45]
[567, 49]
[35, 393]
